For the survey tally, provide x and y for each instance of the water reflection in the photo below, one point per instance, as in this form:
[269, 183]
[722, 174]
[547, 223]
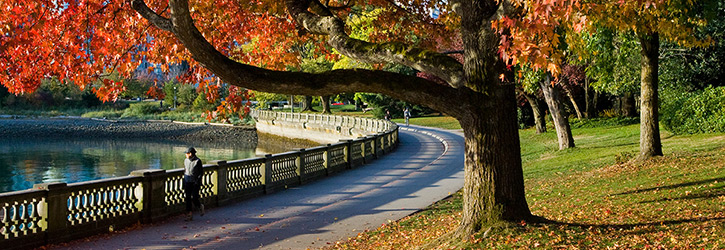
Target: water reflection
[24, 162]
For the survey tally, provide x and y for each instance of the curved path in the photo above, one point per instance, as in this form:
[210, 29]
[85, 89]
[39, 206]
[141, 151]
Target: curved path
[426, 167]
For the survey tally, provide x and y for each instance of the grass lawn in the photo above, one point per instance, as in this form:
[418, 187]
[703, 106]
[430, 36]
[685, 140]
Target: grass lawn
[445, 122]
[596, 199]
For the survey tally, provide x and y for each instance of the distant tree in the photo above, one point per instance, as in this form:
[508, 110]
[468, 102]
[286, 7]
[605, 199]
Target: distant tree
[650, 21]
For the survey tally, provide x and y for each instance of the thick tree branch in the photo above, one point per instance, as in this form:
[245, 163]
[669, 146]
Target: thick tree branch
[438, 64]
[150, 15]
[399, 86]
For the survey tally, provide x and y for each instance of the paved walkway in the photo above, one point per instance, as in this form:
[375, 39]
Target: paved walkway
[426, 167]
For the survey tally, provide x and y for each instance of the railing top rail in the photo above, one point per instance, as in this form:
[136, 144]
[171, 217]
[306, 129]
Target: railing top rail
[21, 193]
[370, 125]
[285, 154]
[106, 181]
[248, 160]
[313, 149]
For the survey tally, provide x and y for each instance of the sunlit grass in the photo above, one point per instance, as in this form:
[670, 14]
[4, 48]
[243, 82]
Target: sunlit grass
[445, 122]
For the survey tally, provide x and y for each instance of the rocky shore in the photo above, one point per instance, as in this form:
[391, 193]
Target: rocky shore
[81, 128]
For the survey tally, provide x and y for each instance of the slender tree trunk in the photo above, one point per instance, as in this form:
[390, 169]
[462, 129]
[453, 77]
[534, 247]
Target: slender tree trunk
[325, 104]
[539, 118]
[649, 139]
[493, 184]
[590, 103]
[573, 103]
[307, 104]
[628, 108]
[558, 114]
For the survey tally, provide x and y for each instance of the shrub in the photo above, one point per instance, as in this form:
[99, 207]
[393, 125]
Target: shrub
[701, 112]
[141, 110]
[103, 114]
[603, 122]
[201, 104]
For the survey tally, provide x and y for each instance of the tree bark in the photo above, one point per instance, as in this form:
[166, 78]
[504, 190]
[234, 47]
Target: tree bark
[649, 139]
[325, 104]
[539, 119]
[552, 95]
[493, 186]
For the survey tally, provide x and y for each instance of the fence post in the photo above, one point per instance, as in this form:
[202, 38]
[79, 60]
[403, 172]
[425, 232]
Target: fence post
[348, 153]
[55, 212]
[363, 150]
[374, 146]
[153, 194]
[326, 156]
[300, 162]
[267, 173]
[385, 140]
[220, 181]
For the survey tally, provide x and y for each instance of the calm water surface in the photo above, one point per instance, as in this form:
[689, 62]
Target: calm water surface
[26, 162]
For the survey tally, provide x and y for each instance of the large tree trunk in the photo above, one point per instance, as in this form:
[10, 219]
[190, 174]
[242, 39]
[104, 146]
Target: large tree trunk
[539, 119]
[325, 104]
[493, 188]
[649, 139]
[552, 95]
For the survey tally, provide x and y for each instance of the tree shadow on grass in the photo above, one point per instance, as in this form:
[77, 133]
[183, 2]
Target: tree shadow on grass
[629, 226]
[684, 184]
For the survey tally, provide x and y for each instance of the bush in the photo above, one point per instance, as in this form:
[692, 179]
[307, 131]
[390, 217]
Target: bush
[603, 122]
[103, 114]
[201, 104]
[141, 110]
[701, 112]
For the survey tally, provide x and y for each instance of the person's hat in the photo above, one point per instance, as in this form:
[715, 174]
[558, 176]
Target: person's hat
[190, 150]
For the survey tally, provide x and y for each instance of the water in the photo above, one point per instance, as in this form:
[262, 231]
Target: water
[26, 162]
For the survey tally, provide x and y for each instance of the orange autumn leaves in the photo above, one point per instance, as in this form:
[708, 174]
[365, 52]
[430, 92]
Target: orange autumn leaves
[535, 38]
[82, 42]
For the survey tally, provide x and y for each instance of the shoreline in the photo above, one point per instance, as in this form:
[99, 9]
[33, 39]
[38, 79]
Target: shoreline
[85, 128]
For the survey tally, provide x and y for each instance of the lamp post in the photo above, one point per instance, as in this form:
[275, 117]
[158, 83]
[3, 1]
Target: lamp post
[174, 97]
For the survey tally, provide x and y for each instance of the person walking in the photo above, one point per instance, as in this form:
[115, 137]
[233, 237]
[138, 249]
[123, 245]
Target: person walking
[193, 171]
[406, 113]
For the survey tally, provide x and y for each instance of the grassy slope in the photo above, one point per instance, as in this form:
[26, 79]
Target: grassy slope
[675, 201]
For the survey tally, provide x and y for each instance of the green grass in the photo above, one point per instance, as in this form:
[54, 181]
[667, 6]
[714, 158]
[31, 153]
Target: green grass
[672, 202]
[445, 122]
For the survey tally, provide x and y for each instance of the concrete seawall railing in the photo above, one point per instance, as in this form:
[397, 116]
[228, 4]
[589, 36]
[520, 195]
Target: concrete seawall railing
[58, 212]
[317, 127]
